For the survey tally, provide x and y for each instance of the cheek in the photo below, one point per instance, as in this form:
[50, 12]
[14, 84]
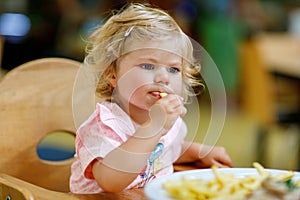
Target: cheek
[177, 85]
[130, 83]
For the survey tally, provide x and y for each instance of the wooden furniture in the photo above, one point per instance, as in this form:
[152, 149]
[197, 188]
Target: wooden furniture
[35, 99]
[14, 188]
[261, 57]
[270, 81]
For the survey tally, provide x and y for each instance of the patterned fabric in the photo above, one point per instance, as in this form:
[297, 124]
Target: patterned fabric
[106, 129]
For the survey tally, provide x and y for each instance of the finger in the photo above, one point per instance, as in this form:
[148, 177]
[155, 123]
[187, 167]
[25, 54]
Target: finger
[180, 110]
[219, 164]
[223, 162]
[176, 101]
[183, 111]
[224, 166]
[227, 160]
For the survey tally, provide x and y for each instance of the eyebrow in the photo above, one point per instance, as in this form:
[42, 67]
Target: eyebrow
[153, 60]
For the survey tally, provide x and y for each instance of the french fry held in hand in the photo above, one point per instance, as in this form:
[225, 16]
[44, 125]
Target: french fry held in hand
[162, 94]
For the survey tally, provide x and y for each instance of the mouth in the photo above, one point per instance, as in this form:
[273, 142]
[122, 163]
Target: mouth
[159, 91]
[157, 94]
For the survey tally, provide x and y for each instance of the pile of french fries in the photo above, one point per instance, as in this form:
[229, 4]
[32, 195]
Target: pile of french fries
[224, 186]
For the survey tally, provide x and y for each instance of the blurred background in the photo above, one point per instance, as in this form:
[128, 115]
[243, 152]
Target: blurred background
[254, 43]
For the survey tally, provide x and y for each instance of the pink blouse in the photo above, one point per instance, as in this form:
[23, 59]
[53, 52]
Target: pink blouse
[106, 129]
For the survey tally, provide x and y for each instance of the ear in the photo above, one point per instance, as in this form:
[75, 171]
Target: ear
[111, 75]
[113, 80]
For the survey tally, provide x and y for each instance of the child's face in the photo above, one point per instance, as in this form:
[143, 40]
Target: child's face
[144, 73]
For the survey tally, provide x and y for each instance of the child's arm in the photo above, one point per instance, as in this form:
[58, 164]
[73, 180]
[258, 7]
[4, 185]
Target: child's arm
[122, 165]
[204, 155]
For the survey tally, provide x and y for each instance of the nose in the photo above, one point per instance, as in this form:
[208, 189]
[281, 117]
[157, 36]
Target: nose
[161, 75]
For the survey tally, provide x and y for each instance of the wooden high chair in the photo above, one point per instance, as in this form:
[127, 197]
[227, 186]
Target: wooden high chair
[36, 99]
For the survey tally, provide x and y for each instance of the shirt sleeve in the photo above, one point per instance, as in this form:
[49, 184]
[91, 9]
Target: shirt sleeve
[94, 140]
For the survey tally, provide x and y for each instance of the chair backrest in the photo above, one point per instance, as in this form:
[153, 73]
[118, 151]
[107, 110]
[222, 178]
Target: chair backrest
[36, 99]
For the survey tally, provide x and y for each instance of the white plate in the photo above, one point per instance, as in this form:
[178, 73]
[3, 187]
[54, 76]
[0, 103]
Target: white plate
[155, 191]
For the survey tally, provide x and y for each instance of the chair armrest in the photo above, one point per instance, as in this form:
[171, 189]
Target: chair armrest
[11, 190]
[18, 189]
[21, 190]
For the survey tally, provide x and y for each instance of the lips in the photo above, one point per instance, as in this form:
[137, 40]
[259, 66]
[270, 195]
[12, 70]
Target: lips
[158, 91]
[155, 94]
[158, 95]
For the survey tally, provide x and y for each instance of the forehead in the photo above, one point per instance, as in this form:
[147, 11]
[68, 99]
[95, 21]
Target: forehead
[167, 45]
[154, 55]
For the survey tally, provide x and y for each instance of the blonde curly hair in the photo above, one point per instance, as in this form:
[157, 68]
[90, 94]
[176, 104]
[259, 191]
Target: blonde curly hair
[137, 22]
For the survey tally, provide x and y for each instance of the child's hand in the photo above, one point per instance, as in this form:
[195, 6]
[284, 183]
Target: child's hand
[166, 110]
[213, 156]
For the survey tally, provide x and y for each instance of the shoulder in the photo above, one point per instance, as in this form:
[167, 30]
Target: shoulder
[108, 118]
[103, 111]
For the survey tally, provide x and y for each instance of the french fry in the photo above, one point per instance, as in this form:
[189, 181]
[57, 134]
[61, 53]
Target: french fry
[224, 186]
[162, 94]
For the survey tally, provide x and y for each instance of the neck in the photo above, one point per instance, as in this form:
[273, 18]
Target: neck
[140, 116]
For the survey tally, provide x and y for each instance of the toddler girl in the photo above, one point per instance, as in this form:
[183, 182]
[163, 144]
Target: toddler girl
[136, 133]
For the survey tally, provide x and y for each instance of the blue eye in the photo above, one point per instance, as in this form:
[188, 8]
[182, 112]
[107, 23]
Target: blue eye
[173, 70]
[147, 66]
